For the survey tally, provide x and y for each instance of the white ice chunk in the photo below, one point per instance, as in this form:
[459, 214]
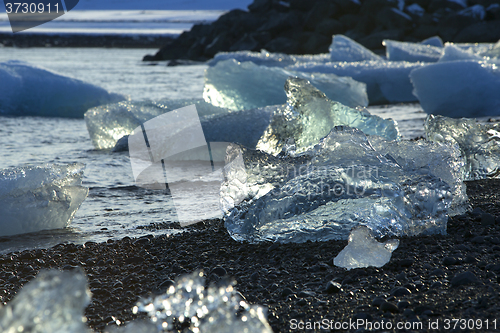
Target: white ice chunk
[466, 88]
[216, 309]
[452, 52]
[364, 251]
[412, 52]
[386, 81]
[38, 198]
[345, 49]
[323, 193]
[433, 41]
[479, 143]
[53, 302]
[309, 116]
[494, 52]
[27, 90]
[241, 86]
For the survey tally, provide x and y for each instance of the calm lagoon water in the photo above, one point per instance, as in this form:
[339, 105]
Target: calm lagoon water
[115, 207]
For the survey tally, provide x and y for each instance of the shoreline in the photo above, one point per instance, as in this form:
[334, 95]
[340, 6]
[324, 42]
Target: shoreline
[290, 279]
[25, 40]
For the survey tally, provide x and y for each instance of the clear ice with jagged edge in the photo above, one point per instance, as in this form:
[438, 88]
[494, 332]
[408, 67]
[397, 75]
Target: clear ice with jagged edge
[43, 197]
[309, 116]
[244, 85]
[479, 143]
[330, 188]
[364, 250]
[54, 301]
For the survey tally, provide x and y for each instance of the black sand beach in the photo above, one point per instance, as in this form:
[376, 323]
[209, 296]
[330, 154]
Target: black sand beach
[430, 279]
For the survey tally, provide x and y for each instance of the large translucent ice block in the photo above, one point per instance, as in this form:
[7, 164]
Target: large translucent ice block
[466, 88]
[53, 302]
[216, 309]
[386, 81]
[107, 124]
[28, 90]
[412, 52]
[364, 251]
[241, 86]
[309, 115]
[345, 49]
[38, 198]
[329, 189]
[479, 143]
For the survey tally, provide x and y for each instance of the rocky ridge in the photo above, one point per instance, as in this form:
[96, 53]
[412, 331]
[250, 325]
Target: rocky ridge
[306, 27]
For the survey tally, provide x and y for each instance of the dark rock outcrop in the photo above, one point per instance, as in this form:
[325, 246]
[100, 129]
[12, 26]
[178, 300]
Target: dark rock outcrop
[307, 26]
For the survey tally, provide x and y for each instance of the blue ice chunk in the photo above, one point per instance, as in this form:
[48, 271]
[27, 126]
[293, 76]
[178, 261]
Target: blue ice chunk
[239, 86]
[345, 49]
[28, 90]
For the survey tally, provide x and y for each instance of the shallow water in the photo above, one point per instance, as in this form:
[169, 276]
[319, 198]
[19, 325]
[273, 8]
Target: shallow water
[115, 207]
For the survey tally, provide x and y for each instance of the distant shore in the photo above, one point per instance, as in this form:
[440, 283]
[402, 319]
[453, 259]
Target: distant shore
[83, 40]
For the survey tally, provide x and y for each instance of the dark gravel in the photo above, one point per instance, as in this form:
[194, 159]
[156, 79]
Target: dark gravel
[429, 278]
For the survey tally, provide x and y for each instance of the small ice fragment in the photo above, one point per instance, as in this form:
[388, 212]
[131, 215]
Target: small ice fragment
[433, 41]
[451, 52]
[345, 49]
[479, 143]
[309, 116]
[242, 86]
[38, 198]
[53, 302]
[462, 88]
[216, 309]
[28, 90]
[364, 251]
[412, 52]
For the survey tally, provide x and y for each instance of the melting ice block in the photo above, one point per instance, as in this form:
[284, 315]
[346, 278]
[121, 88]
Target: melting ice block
[27, 90]
[386, 81]
[309, 115]
[466, 88]
[479, 143]
[107, 124]
[326, 191]
[54, 302]
[38, 198]
[364, 251]
[240, 86]
[216, 309]
[412, 52]
[345, 49]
